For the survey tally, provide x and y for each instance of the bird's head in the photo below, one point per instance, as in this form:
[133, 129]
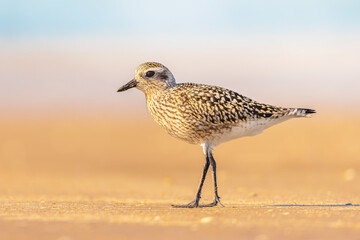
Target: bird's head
[150, 76]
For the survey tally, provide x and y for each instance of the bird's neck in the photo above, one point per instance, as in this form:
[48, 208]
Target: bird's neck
[155, 91]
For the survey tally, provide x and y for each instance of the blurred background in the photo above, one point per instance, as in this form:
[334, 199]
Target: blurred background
[61, 63]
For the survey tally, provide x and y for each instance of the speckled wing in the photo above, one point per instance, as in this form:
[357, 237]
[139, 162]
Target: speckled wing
[222, 106]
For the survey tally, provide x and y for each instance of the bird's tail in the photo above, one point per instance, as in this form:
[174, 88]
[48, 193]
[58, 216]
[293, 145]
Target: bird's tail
[302, 112]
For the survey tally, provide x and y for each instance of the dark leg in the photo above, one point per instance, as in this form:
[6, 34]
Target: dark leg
[195, 202]
[213, 166]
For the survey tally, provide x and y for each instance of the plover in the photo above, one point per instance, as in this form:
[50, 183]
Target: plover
[204, 115]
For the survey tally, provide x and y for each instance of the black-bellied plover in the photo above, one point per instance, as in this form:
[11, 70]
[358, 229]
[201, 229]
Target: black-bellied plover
[203, 114]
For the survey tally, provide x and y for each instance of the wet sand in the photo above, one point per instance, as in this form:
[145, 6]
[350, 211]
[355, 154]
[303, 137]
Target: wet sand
[106, 177]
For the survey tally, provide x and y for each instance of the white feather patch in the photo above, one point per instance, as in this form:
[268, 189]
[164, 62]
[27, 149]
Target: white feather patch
[248, 128]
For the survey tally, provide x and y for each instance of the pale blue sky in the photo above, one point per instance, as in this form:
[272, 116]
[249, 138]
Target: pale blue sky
[85, 17]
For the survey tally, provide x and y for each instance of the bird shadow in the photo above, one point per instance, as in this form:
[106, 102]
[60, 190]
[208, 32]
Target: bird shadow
[314, 205]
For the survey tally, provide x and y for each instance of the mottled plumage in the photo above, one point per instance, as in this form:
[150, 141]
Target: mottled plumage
[203, 114]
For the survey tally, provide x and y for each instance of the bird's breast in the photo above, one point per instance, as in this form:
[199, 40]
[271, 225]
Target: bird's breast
[174, 118]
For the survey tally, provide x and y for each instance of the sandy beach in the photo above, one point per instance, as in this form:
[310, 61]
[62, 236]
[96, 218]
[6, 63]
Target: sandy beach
[101, 177]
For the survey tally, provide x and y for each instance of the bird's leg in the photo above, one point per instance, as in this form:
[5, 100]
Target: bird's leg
[213, 166]
[195, 202]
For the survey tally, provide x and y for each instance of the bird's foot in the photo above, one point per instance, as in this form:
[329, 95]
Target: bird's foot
[213, 204]
[192, 204]
[195, 204]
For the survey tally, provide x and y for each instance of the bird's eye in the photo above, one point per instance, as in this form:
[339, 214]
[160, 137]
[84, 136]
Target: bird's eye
[150, 73]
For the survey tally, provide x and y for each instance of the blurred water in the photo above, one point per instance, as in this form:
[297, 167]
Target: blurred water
[314, 70]
[74, 55]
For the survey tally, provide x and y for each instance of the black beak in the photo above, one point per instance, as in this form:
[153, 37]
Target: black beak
[127, 86]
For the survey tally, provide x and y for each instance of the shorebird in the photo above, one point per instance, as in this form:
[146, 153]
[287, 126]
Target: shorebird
[204, 115]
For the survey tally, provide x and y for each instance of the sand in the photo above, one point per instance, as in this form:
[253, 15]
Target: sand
[109, 177]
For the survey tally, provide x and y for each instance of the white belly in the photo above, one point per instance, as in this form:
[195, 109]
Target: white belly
[244, 129]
